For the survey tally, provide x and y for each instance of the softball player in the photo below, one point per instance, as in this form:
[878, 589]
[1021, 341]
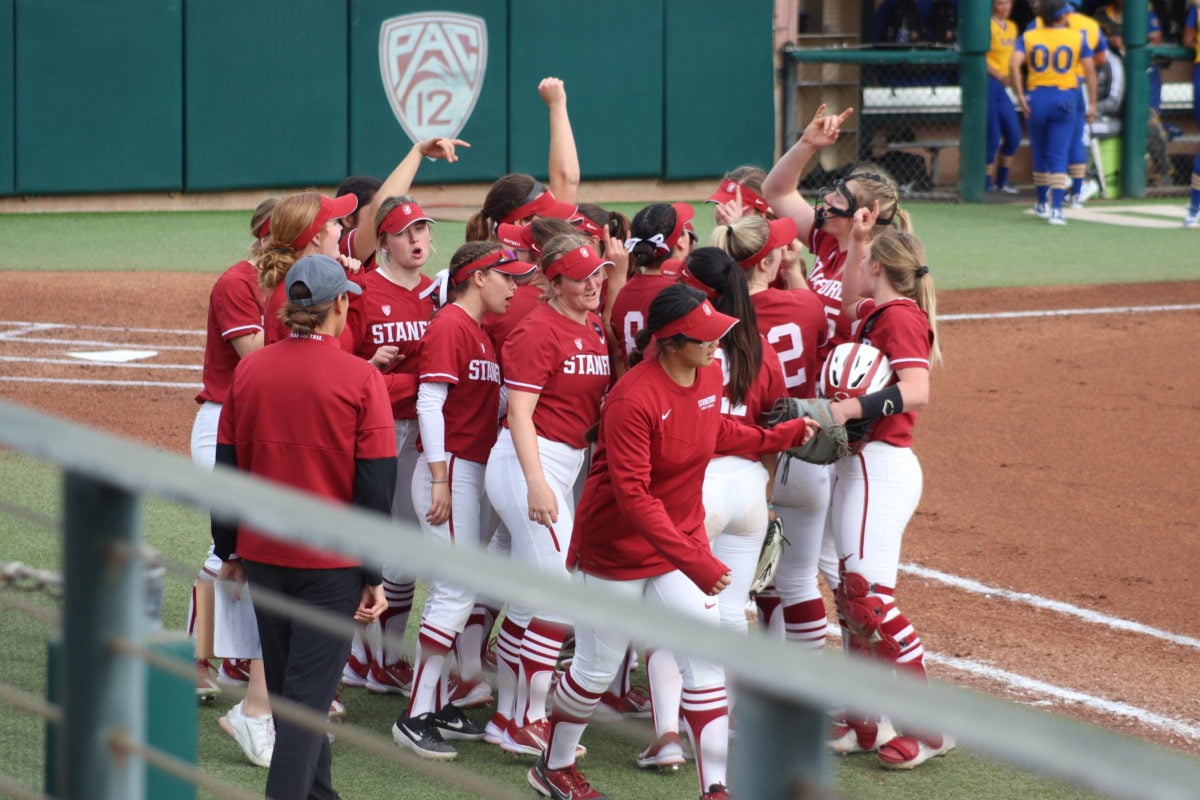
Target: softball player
[878, 487]
[334, 441]
[458, 405]
[301, 224]
[658, 232]
[1053, 51]
[639, 529]
[393, 312]
[740, 193]
[235, 329]
[557, 372]
[793, 322]
[1192, 219]
[1004, 129]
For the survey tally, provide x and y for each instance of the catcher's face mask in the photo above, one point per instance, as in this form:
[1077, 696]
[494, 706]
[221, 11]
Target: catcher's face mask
[838, 201]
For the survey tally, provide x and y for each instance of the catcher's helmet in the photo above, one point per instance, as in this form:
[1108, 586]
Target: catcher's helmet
[854, 369]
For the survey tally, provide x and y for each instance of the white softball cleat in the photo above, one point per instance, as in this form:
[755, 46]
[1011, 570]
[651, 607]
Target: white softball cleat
[909, 752]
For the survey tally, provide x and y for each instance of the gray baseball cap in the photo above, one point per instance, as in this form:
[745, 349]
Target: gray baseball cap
[324, 278]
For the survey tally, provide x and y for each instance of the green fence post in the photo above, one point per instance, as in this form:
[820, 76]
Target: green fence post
[974, 40]
[1137, 104]
[102, 688]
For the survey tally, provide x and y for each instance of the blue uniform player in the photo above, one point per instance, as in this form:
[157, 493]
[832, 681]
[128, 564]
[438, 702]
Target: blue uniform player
[1053, 52]
[1003, 127]
[1190, 40]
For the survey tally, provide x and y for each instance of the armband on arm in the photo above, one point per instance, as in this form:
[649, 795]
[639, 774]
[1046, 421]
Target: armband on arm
[883, 403]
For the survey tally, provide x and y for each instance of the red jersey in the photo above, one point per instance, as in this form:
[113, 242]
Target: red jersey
[793, 320]
[566, 364]
[455, 350]
[763, 392]
[825, 279]
[632, 307]
[273, 329]
[641, 513]
[901, 332]
[498, 326]
[305, 413]
[235, 309]
[387, 314]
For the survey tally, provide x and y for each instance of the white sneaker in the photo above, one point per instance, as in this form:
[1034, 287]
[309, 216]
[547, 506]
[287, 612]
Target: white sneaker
[255, 735]
[1041, 210]
[1057, 218]
[1192, 219]
[1089, 190]
[1074, 202]
[1008, 188]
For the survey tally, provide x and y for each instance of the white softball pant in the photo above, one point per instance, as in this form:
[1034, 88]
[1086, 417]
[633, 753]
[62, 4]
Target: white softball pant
[802, 503]
[533, 543]
[735, 518]
[875, 495]
[448, 606]
[238, 614]
[600, 654]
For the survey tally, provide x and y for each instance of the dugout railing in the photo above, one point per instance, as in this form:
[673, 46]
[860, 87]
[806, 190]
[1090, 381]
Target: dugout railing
[783, 696]
[915, 104]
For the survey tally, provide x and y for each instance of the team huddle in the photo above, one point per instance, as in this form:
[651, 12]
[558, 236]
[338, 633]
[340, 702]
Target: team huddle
[589, 395]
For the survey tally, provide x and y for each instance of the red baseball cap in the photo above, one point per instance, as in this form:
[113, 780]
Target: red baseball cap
[516, 237]
[576, 264]
[331, 208]
[703, 323]
[502, 260]
[728, 191]
[401, 217]
[781, 233]
[541, 202]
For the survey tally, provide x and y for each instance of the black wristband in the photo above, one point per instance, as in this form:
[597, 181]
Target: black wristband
[882, 403]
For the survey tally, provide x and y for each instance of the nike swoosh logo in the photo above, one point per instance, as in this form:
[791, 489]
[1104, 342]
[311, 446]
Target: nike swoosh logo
[664, 416]
[710, 606]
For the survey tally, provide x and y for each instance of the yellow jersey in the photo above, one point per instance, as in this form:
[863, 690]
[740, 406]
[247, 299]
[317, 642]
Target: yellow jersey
[1091, 31]
[1004, 38]
[1052, 55]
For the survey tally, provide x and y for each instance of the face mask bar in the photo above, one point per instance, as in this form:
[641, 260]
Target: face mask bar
[824, 211]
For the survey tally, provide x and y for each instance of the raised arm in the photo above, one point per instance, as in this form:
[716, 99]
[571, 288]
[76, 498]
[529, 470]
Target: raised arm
[780, 186]
[564, 158]
[398, 183]
[860, 233]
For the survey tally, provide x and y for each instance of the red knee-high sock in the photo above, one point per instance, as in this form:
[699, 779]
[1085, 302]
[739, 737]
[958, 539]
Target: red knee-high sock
[706, 712]
[768, 606]
[539, 652]
[900, 643]
[573, 707]
[804, 623]
[394, 620]
[433, 646]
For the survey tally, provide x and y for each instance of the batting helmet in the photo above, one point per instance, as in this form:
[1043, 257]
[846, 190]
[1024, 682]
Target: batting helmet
[854, 369]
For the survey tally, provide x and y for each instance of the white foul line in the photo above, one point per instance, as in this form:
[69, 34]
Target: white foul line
[1066, 312]
[78, 363]
[969, 585]
[48, 325]
[92, 343]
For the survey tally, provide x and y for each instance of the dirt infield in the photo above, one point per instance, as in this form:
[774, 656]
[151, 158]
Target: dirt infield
[1059, 451]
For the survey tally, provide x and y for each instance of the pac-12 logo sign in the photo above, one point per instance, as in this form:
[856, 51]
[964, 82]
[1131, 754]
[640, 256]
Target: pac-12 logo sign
[432, 65]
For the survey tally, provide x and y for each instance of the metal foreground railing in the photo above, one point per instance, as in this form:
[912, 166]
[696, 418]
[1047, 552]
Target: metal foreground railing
[783, 691]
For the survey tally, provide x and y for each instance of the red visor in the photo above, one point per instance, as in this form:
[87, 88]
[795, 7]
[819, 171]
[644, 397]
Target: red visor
[544, 205]
[683, 222]
[672, 268]
[703, 323]
[518, 237]
[751, 200]
[331, 208]
[400, 217]
[576, 264]
[782, 232]
[503, 260]
[263, 229]
[588, 226]
[686, 276]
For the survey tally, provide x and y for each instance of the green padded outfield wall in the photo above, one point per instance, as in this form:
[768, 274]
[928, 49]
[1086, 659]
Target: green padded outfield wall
[99, 96]
[377, 139]
[611, 58]
[719, 87]
[266, 93]
[7, 104]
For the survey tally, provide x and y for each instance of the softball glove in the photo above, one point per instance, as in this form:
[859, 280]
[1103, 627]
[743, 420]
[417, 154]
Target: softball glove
[768, 559]
[828, 444]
